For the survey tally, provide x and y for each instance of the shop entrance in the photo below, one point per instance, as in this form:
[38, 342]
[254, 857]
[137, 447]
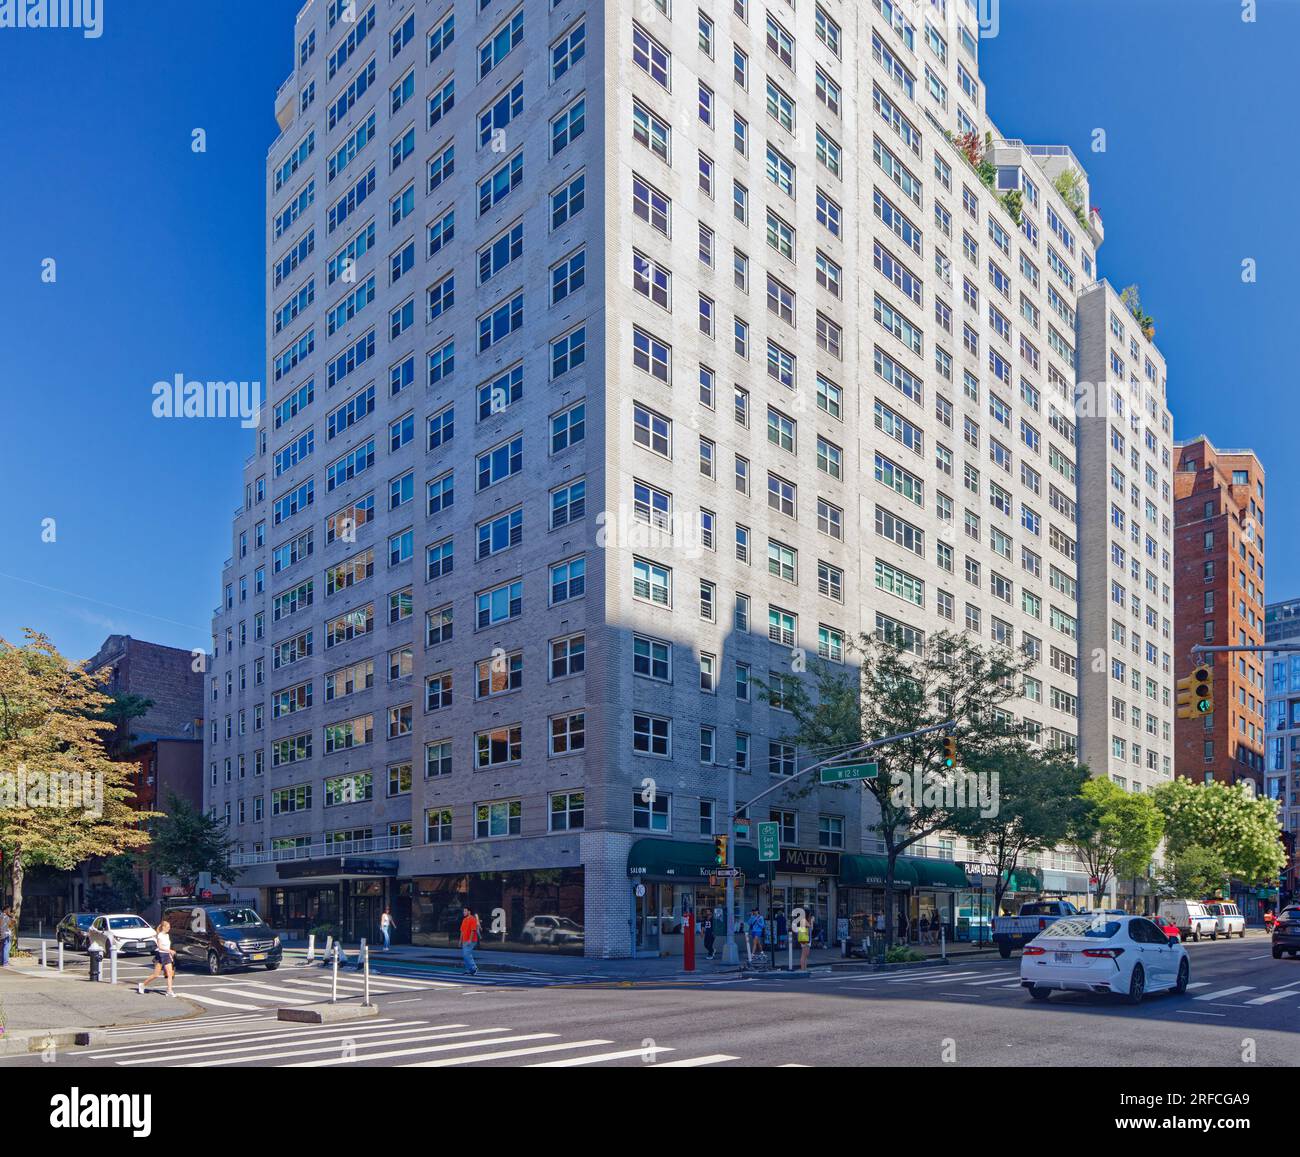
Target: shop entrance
[812, 895]
[654, 915]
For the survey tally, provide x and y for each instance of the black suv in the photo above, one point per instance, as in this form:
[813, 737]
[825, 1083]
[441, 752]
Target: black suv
[1286, 932]
[223, 936]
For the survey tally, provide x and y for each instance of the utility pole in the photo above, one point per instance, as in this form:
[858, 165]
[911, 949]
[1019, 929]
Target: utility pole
[730, 954]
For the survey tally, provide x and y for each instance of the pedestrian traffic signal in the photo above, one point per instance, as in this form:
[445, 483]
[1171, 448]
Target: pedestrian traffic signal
[720, 851]
[949, 751]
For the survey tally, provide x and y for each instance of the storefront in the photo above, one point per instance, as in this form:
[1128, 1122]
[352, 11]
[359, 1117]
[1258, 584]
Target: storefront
[861, 892]
[337, 896]
[1074, 886]
[672, 877]
[805, 882]
[537, 910]
[933, 902]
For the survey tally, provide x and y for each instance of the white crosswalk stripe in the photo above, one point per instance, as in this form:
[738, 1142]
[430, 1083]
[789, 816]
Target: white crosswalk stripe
[1226, 992]
[407, 1043]
[1269, 997]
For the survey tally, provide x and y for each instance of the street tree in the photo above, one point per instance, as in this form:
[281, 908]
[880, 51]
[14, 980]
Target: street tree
[188, 842]
[900, 684]
[1039, 802]
[1190, 873]
[1231, 820]
[121, 711]
[62, 799]
[1116, 833]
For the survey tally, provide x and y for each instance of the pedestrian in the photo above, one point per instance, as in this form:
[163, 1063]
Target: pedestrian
[757, 927]
[781, 928]
[804, 934]
[1269, 920]
[386, 926]
[6, 935]
[706, 928]
[470, 929]
[164, 960]
[902, 926]
[923, 929]
[880, 923]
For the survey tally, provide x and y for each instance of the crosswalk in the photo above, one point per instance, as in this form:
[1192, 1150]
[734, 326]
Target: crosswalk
[387, 1041]
[994, 979]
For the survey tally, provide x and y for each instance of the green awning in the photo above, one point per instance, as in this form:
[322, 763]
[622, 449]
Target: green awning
[869, 872]
[687, 860]
[937, 873]
[1021, 880]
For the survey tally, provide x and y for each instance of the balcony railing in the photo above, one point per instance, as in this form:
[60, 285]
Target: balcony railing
[316, 851]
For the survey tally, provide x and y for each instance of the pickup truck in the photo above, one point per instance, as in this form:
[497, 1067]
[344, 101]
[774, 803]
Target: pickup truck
[1016, 931]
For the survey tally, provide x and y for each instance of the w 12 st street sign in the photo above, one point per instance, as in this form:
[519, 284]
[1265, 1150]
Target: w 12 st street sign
[839, 772]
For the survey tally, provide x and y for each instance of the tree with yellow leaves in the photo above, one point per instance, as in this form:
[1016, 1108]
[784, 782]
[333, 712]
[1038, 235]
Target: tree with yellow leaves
[62, 799]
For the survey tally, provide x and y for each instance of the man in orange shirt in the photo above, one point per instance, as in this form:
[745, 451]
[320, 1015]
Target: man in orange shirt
[469, 937]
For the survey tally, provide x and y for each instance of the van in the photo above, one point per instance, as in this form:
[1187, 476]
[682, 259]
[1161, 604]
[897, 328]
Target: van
[219, 937]
[1190, 917]
[1229, 919]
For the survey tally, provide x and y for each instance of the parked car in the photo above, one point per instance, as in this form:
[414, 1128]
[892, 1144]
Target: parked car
[73, 931]
[1013, 931]
[1127, 956]
[219, 937]
[1228, 919]
[1286, 932]
[552, 930]
[1190, 917]
[128, 933]
[1168, 927]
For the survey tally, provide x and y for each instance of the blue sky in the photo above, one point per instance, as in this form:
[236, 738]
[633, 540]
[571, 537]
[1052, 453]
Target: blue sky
[160, 265]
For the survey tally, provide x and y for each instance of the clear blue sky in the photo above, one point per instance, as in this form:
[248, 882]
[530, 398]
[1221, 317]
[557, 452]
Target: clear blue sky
[160, 265]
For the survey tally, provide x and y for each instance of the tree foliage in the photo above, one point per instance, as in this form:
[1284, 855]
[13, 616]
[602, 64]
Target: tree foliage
[1192, 873]
[1229, 819]
[188, 842]
[51, 737]
[1116, 833]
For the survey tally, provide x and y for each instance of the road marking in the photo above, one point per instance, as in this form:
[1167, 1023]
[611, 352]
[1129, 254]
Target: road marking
[272, 996]
[695, 1062]
[1197, 1012]
[1268, 998]
[1264, 957]
[447, 1062]
[1199, 984]
[1226, 992]
[409, 1000]
[943, 979]
[995, 980]
[224, 1003]
[226, 1039]
[431, 1049]
[1291, 985]
[599, 1058]
[357, 1043]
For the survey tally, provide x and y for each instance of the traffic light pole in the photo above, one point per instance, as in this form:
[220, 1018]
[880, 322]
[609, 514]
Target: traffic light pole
[730, 954]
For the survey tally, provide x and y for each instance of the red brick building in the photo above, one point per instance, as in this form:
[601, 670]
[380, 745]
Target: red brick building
[1219, 599]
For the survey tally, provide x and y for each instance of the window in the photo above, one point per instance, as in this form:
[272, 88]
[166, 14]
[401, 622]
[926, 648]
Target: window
[504, 818]
[651, 735]
[652, 815]
[650, 56]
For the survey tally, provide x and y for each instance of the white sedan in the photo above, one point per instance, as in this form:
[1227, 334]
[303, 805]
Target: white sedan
[128, 933]
[1102, 952]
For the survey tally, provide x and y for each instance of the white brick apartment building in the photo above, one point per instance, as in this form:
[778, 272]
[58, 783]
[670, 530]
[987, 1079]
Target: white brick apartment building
[615, 352]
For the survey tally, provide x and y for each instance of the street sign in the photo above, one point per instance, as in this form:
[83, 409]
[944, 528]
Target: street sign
[769, 841]
[742, 829]
[838, 772]
[726, 873]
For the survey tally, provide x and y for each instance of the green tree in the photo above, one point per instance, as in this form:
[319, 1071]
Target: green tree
[1191, 873]
[1227, 818]
[120, 712]
[1116, 834]
[897, 688]
[187, 842]
[62, 799]
[1039, 802]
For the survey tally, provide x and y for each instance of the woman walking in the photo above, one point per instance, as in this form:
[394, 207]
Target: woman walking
[386, 926]
[164, 960]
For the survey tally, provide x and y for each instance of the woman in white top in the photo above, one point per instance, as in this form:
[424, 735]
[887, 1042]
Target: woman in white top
[164, 960]
[386, 926]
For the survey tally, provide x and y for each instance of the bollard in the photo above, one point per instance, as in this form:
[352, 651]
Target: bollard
[311, 948]
[44, 945]
[96, 962]
[365, 954]
[112, 964]
[60, 955]
[943, 942]
[334, 986]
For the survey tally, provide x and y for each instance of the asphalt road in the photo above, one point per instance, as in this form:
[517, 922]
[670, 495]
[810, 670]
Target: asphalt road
[1243, 1008]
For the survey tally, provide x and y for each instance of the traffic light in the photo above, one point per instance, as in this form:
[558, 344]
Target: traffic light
[1196, 693]
[1203, 690]
[950, 751]
[720, 851]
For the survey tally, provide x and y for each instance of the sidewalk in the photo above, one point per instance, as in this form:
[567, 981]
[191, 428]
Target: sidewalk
[40, 1007]
[579, 968]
